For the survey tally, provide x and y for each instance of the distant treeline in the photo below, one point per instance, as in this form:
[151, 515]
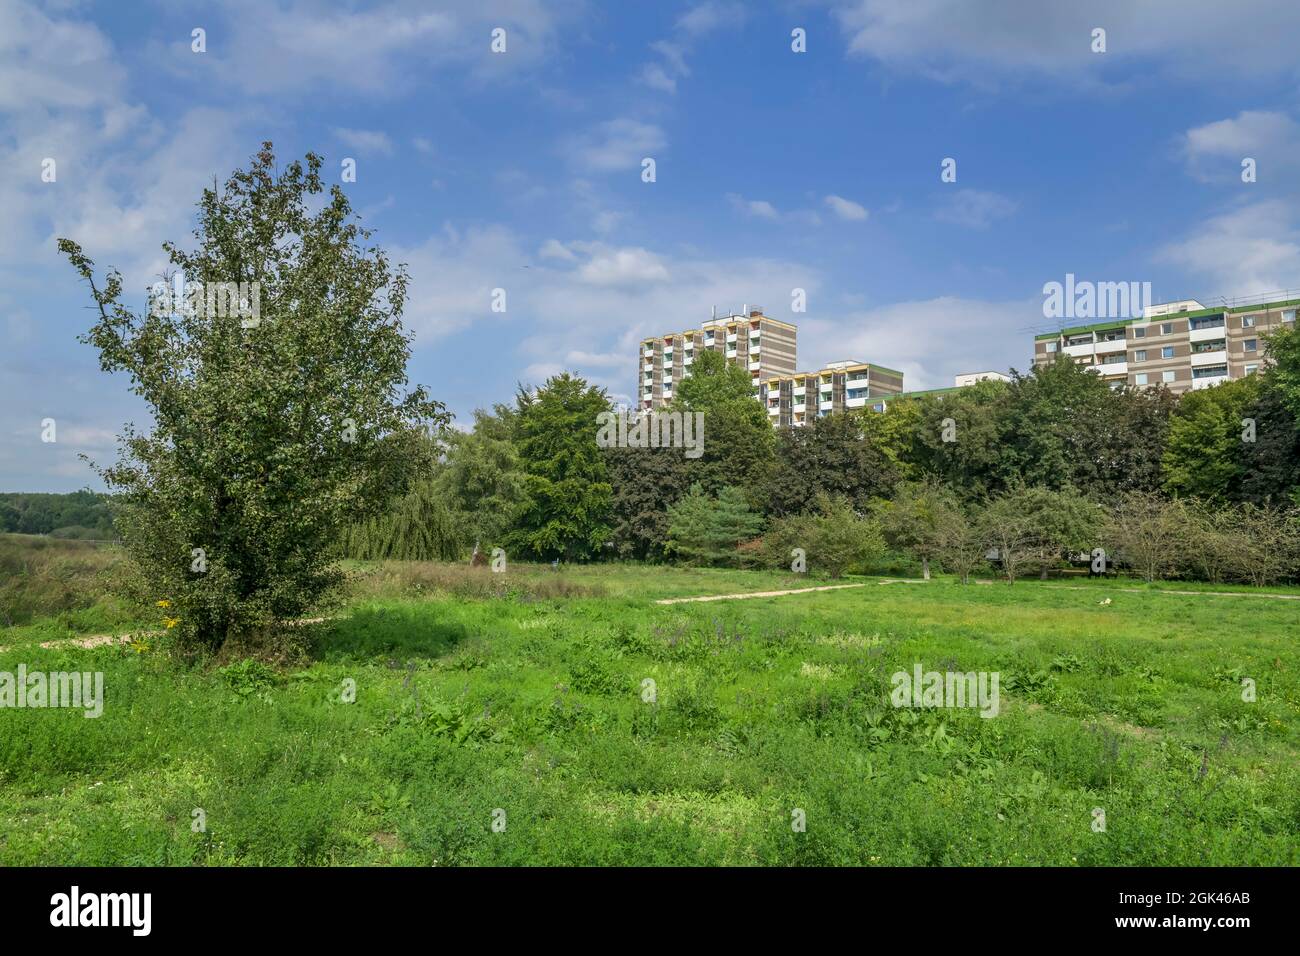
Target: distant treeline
[81, 514]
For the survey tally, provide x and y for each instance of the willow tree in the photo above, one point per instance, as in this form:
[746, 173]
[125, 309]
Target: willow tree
[276, 423]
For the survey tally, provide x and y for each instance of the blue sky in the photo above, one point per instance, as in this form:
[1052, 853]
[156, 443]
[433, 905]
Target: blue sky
[775, 170]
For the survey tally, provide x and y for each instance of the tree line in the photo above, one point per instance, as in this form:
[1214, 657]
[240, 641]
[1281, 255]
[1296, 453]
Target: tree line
[1038, 471]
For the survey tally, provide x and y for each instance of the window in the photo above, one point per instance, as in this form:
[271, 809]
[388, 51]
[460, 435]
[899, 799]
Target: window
[1288, 315]
[1167, 352]
[1166, 376]
[1210, 371]
[1051, 346]
[1166, 328]
[1252, 369]
[1140, 378]
[1140, 332]
[1251, 345]
[1140, 355]
[1248, 321]
[1207, 322]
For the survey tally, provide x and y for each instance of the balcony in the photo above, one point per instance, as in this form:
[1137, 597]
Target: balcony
[1108, 348]
[755, 365]
[1076, 351]
[1107, 369]
[801, 390]
[855, 402]
[860, 382]
[1202, 359]
[1208, 381]
[731, 338]
[825, 405]
[1207, 334]
[798, 407]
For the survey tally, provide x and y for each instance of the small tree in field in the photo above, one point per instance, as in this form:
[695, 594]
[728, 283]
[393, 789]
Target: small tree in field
[1148, 533]
[960, 544]
[277, 424]
[917, 519]
[1006, 526]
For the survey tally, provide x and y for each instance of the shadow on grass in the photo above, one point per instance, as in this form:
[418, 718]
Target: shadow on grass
[405, 632]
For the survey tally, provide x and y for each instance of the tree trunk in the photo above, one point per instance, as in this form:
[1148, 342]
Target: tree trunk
[1042, 575]
[925, 568]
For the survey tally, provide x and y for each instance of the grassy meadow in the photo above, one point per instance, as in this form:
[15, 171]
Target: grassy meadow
[477, 693]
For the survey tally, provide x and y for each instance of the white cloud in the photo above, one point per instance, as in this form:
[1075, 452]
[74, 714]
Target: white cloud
[1215, 151]
[955, 40]
[365, 140]
[291, 47]
[624, 267]
[691, 26]
[615, 145]
[930, 341]
[974, 208]
[1252, 249]
[846, 208]
[758, 208]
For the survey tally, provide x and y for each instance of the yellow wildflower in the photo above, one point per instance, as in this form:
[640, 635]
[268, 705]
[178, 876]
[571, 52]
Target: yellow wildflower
[171, 622]
[164, 603]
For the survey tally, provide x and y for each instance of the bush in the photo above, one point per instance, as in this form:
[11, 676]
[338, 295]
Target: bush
[834, 539]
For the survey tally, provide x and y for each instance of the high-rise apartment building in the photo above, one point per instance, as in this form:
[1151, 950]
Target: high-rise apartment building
[797, 399]
[1182, 345]
[763, 346]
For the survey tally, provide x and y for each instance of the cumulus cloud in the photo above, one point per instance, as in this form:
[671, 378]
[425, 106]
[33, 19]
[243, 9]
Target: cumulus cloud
[615, 145]
[1215, 151]
[954, 40]
[846, 208]
[1247, 250]
[365, 140]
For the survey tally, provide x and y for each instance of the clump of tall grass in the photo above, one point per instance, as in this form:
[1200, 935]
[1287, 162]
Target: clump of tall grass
[522, 581]
[47, 577]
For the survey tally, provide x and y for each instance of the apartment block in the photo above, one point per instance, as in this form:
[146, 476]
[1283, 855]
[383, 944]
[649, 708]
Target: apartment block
[1181, 345]
[763, 346]
[795, 400]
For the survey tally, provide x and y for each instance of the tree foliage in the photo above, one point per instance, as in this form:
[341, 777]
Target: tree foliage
[268, 440]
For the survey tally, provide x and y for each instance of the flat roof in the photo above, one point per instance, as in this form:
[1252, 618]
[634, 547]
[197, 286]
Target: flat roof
[1157, 319]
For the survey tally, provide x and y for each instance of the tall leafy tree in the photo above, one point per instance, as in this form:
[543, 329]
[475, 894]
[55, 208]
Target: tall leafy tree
[482, 478]
[645, 483]
[1065, 427]
[836, 454]
[1205, 453]
[920, 519]
[959, 438]
[271, 435]
[1271, 463]
[738, 442]
[566, 511]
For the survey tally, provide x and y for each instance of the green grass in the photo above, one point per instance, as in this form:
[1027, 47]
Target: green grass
[530, 702]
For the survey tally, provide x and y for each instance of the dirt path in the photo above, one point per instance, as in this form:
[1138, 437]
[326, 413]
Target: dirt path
[1102, 590]
[756, 594]
[98, 640]
[1058, 587]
